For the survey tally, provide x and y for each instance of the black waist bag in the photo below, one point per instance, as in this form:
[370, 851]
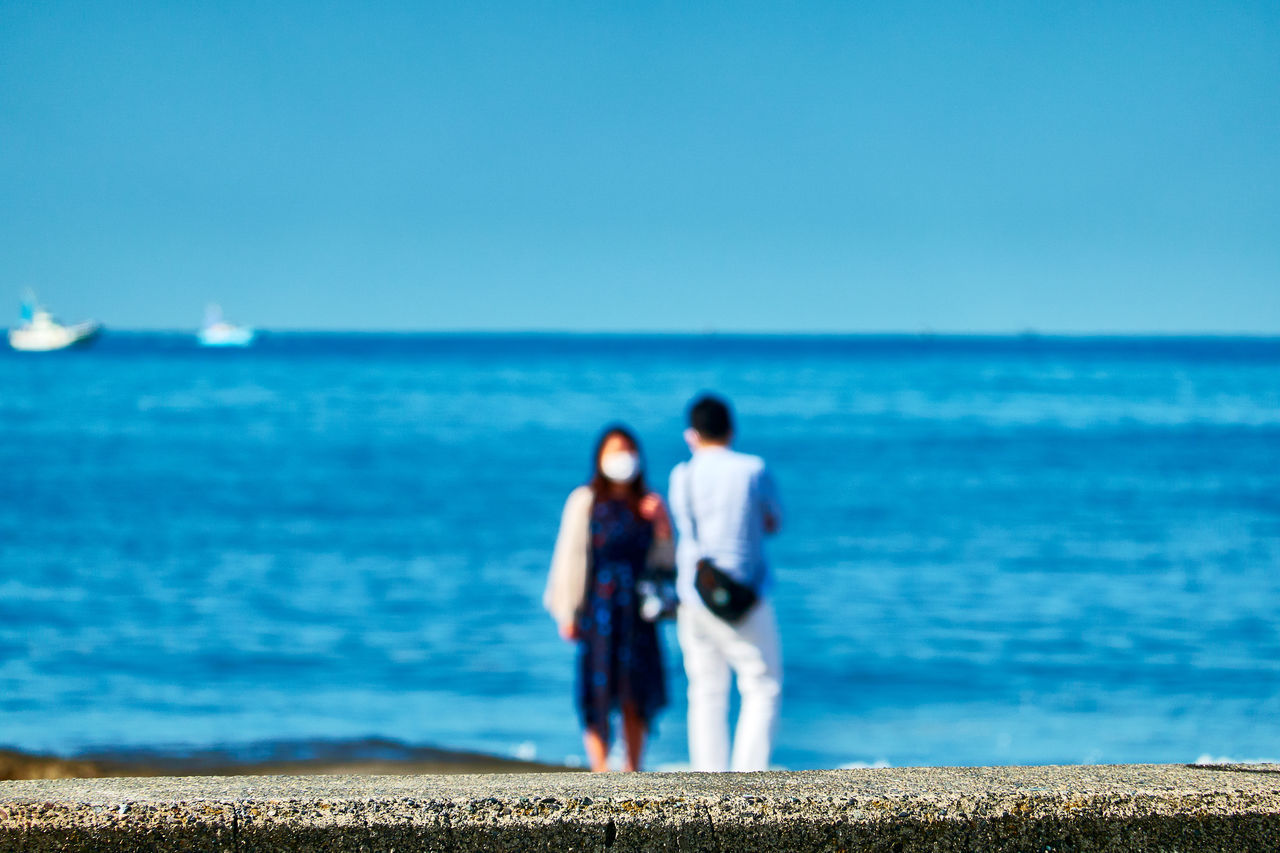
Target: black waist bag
[727, 598]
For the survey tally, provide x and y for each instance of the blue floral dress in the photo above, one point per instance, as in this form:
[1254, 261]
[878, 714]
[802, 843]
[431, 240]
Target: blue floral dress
[619, 657]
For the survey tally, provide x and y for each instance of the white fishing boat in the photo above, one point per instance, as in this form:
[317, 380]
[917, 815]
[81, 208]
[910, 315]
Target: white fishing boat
[40, 332]
[217, 332]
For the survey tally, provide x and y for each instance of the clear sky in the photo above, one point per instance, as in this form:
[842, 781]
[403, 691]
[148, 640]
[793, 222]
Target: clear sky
[898, 166]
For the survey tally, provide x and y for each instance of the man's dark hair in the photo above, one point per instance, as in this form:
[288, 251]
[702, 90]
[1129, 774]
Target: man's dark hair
[710, 418]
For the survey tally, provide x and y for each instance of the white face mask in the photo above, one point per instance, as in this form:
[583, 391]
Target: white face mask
[621, 466]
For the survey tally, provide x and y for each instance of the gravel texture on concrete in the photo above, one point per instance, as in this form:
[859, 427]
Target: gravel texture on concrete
[1087, 808]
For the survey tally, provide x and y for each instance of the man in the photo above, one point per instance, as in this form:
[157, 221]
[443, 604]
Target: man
[724, 503]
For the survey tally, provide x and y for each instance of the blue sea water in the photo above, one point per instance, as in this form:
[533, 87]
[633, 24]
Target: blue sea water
[998, 550]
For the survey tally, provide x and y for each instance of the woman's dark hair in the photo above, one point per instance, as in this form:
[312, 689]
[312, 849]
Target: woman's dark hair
[710, 418]
[602, 485]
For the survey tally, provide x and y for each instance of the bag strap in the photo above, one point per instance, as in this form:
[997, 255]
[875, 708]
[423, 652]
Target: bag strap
[688, 502]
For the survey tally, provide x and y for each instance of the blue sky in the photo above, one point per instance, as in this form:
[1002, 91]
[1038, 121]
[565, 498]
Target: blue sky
[1078, 167]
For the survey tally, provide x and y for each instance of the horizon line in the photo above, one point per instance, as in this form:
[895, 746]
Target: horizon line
[727, 332]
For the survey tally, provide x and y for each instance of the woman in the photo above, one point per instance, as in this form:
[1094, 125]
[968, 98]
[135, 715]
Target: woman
[612, 529]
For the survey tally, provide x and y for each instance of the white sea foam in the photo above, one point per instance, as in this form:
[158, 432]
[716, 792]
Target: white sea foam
[686, 767]
[1207, 759]
[878, 764]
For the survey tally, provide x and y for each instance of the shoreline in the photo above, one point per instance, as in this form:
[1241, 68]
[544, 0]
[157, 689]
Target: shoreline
[371, 756]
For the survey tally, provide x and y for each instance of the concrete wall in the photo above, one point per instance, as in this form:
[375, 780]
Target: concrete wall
[1059, 809]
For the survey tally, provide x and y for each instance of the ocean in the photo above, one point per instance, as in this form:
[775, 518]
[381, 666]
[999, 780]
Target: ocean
[1017, 550]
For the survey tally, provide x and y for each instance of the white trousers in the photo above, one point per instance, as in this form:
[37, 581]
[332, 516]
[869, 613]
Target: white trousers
[711, 648]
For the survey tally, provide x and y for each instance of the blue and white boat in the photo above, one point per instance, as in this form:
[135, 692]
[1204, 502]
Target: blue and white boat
[217, 332]
[40, 332]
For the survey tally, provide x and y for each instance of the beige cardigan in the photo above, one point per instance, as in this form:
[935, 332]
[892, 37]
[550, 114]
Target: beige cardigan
[567, 582]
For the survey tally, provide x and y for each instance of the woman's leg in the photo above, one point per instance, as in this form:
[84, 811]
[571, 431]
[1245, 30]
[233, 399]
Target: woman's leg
[597, 744]
[634, 729]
